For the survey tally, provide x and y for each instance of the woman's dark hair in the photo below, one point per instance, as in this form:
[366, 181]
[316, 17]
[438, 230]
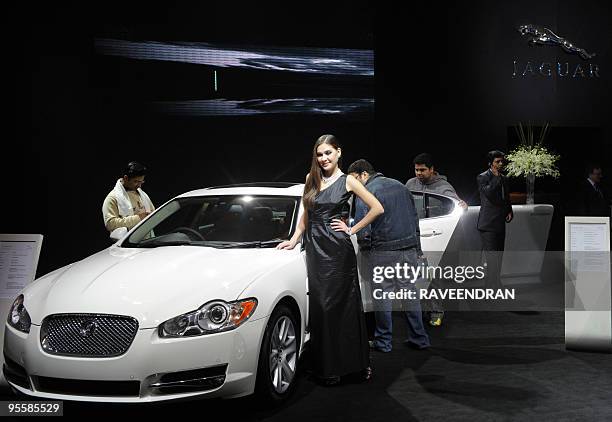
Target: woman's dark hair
[360, 166]
[134, 169]
[492, 155]
[313, 182]
[424, 158]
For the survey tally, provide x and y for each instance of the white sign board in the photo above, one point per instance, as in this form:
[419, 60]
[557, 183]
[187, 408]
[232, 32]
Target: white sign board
[18, 261]
[588, 288]
[586, 237]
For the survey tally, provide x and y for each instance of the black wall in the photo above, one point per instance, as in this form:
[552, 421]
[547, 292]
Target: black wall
[443, 84]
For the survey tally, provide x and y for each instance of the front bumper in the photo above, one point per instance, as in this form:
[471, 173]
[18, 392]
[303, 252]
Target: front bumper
[153, 368]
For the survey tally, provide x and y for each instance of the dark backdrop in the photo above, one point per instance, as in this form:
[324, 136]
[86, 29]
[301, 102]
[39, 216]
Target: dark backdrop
[443, 84]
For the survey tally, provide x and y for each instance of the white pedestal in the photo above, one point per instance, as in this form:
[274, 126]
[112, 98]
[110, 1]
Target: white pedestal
[526, 238]
[588, 291]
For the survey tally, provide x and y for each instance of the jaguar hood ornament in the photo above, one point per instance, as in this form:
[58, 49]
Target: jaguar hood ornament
[544, 36]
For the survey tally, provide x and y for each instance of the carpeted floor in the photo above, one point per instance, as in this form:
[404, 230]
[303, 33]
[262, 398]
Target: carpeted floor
[489, 366]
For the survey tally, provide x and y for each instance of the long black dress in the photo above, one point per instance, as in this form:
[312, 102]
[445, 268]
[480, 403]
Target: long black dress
[339, 341]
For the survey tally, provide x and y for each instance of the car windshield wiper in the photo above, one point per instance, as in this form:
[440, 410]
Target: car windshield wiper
[252, 244]
[154, 243]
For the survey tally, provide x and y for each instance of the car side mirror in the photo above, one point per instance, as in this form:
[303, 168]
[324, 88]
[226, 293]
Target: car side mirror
[118, 233]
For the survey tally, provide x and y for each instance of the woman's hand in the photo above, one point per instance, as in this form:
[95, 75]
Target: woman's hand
[287, 244]
[339, 226]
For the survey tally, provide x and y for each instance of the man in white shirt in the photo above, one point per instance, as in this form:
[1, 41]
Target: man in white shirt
[127, 204]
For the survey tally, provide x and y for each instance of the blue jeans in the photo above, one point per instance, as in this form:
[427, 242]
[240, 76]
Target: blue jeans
[383, 334]
[411, 309]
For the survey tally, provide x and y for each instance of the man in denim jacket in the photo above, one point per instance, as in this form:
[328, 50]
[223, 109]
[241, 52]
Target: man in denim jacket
[392, 240]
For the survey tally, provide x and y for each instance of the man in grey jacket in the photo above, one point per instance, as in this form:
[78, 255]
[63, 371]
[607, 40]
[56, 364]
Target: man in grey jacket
[427, 180]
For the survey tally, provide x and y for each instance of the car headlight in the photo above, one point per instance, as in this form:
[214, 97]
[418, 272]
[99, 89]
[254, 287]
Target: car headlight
[213, 317]
[18, 316]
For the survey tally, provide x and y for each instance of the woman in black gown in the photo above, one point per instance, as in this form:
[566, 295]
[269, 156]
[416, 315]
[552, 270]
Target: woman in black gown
[339, 341]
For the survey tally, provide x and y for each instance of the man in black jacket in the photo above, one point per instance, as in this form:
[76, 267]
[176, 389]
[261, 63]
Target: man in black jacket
[495, 212]
[593, 199]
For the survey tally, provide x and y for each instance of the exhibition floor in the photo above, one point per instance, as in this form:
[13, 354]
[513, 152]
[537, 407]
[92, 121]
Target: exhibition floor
[483, 366]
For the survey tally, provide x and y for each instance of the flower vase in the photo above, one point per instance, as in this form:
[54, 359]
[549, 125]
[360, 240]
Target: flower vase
[530, 189]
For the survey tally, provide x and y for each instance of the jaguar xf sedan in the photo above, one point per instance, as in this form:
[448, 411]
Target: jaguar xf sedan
[194, 301]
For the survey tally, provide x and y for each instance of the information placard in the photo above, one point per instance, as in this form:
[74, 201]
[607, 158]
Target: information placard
[19, 255]
[18, 261]
[588, 290]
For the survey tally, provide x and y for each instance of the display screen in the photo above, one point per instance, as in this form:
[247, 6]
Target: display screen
[202, 79]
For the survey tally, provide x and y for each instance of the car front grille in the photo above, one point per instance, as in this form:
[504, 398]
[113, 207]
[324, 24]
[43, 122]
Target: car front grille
[87, 335]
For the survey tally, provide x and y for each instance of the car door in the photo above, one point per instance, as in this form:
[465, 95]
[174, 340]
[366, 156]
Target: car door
[438, 218]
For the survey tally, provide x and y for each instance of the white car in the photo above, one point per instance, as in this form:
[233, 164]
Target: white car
[194, 301]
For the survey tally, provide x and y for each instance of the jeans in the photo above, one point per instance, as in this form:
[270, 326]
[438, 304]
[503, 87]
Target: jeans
[383, 334]
[410, 308]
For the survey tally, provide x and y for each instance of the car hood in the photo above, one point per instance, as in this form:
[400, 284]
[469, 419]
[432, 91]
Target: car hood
[151, 285]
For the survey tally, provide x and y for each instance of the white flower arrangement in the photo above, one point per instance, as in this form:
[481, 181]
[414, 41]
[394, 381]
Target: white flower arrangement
[536, 160]
[531, 159]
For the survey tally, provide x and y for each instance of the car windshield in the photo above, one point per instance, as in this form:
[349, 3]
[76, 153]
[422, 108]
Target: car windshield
[218, 221]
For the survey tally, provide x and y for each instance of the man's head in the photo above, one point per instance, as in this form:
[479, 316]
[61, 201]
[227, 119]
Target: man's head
[496, 160]
[594, 172]
[134, 176]
[423, 167]
[361, 170]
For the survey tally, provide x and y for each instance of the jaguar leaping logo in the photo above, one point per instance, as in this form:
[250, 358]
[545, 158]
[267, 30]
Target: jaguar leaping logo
[545, 36]
[88, 328]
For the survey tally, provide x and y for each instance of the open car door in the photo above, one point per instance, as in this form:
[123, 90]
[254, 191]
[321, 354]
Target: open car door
[438, 218]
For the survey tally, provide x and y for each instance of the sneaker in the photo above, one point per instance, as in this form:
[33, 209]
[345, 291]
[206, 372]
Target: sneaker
[435, 319]
[373, 346]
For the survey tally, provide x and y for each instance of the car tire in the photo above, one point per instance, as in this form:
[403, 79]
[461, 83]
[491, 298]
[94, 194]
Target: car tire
[278, 357]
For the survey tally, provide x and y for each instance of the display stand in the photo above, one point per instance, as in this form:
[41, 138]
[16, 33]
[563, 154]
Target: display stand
[588, 293]
[18, 262]
[525, 246]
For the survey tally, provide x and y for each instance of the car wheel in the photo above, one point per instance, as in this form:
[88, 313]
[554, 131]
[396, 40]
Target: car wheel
[278, 358]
